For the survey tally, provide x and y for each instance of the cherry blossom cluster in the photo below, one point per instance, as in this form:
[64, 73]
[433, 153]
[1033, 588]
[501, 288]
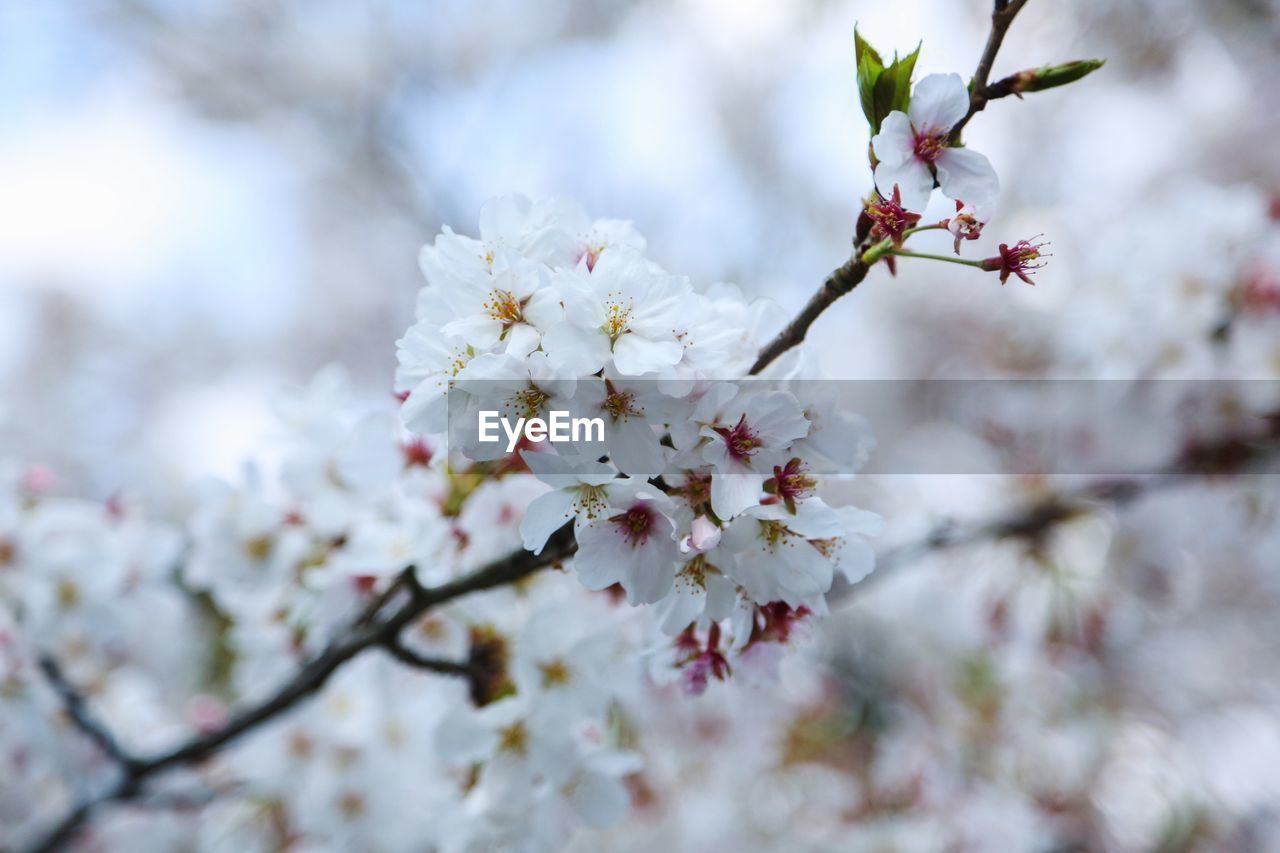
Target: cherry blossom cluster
[700, 527]
[700, 500]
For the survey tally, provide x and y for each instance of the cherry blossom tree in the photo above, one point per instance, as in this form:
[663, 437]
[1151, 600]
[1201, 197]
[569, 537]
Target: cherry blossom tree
[400, 641]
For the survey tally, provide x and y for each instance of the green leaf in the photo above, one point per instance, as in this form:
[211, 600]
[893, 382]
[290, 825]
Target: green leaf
[870, 67]
[882, 89]
[902, 70]
[869, 71]
[862, 46]
[892, 89]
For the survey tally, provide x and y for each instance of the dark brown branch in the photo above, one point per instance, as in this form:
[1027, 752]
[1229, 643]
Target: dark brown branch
[407, 579]
[77, 709]
[1232, 454]
[409, 657]
[843, 280]
[368, 632]
[1001, 19]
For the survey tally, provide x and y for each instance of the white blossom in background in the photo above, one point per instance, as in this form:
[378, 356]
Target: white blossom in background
[679, 683]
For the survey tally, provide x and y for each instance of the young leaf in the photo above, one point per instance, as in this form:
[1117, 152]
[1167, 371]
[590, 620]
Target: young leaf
[862, 46]
[903, 69]
[892, 91]
[869, 71]
[870, 68]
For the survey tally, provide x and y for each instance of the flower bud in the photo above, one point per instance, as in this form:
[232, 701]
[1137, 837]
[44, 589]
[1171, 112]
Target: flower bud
[1048, 76]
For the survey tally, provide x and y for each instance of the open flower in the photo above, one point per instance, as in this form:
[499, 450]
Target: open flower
[966, 224]
[743, 435]
[624, 310]
[581, 492]
[1021, 259]
[914, 146]
[633, 545]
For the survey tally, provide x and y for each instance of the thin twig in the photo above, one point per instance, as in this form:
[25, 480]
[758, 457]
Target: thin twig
[366, 633]
[77, 708]
[1227, 455]
[843, 280]
[850, 274]
[1001, 19]
[409, 657]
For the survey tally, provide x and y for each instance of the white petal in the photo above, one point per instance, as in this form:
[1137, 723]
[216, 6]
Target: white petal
[938, 102]
[599, 800]
[732, 493]
[967, 176]
[479, 330]
[427, 408]
[652, 574]
[911, 177]
[577, 350]
[635, 356]
[462, 738]
[742, 621]
[601, 558]
[543, 309]
[522, 339]
[857, 560]
[504, 217]
[895, 143]
[634, 448]
[684, 605]
[545, 516]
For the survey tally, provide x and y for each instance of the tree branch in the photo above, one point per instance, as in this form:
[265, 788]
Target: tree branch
[409, 657]
[1223, 456]
[843, 280]
[367, 632]
[77, 708]
[848, 276]
[1001, 19]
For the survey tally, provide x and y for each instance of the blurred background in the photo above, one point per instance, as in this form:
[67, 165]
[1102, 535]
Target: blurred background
[202, 202]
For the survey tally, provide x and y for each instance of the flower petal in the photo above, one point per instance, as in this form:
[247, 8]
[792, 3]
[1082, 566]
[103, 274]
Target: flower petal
[967, 176]
[895, 143]
[545, 516]
[635, 356]
[938, 102]
[913, 180]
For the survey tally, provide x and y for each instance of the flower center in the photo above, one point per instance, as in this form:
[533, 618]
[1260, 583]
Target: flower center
[555, 673]
[503, 306]
[635, 524]
[741, 441]
[619, 405]
[930, 144]
[513, 738]
[591, 500]
[775, 534]
[616, 316]
[791, 482]
[530, 401]
[694, 573]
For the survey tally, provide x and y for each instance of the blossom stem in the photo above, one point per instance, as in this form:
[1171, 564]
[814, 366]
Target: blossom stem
[903, 253]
